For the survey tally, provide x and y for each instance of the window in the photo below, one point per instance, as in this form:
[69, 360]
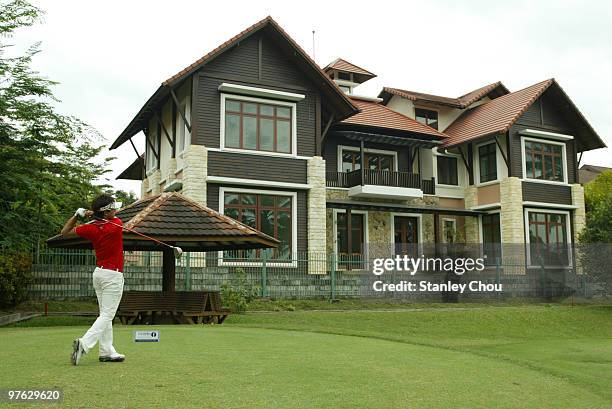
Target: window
[487, 162]
[270, 214]
[449, 227]
[258, 126]
[548, 238]
[150, 155]
[345, 88]
[346, 76]
[491, 237]
[405, 238]
[447, 170]
[350, 240]
[351, 160]
[427, 117]
[182, 132]
[544, 161]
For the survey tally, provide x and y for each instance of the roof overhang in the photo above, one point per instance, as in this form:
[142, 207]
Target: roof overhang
[388, 139]
[395, 207]
[135, 171]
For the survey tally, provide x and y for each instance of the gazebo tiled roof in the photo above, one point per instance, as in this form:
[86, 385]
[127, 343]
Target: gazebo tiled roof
[174, 218]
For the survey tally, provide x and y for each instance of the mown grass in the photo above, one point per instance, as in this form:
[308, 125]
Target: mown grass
[509, 357]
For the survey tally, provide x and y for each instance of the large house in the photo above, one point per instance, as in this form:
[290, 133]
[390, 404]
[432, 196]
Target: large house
[258, 131]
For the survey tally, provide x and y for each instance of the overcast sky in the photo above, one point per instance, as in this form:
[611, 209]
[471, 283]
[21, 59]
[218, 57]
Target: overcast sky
[110, 56]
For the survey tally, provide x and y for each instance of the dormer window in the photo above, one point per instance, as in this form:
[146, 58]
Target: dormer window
[345, 76]
[346, 89]
[427, 117]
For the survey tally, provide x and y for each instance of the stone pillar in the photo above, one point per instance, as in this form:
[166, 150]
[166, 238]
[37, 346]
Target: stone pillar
[511, 217]
[170, 171]
[580, 212]
[195, 173]
[317, 228]
[154, 179]
[144, 186]
[472, 235]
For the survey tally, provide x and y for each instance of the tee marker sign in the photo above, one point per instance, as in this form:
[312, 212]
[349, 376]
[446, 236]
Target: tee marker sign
[146, 336]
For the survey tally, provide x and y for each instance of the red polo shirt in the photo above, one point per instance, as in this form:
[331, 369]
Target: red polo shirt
[107, 241]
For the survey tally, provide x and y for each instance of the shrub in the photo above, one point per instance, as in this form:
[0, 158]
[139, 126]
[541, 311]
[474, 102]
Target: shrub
[237, 293]
[15, 276]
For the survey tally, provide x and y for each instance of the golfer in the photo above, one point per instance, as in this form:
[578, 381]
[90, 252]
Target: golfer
[107, 241]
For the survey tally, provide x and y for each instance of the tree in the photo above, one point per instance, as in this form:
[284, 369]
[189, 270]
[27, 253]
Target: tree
[598, 189]
[596, 238]
[127, 198]
[48, 161]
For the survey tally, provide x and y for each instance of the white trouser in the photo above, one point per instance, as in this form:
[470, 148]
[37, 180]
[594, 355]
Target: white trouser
[109, 289]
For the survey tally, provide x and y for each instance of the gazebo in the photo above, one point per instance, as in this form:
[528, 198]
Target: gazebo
[178, 221]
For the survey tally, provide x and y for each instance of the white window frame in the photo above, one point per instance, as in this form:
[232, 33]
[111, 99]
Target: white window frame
[454, 222]
[291, 105]
[342, 148]
[481, 232]
[366, 238]
[293, 261]
[418, 216]
[437, 111]
[498, 164]
[152, 161]
[568, 232]
[460, 175]
[181, 125]
[544, 141]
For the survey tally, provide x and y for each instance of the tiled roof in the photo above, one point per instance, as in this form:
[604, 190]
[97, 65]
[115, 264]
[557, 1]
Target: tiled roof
[377, 115]
[589, 172]
[461, 102]
[171, 216]
[495, 116]
[343, 65]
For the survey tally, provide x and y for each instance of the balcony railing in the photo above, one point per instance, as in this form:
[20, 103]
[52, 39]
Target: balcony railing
[380, 178]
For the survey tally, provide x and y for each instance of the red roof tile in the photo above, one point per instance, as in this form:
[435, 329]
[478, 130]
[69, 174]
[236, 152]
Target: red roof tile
[343, 65]
[495, 116]
[375, 114]
[461, 102]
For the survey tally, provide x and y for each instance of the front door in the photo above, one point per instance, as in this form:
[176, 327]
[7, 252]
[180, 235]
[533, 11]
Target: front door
[406, 234]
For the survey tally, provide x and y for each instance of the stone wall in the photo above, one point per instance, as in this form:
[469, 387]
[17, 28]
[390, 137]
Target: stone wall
[195, 172]
[153, 183]
[580, 212]
[317, 223]
[511, 217]
[471, 223]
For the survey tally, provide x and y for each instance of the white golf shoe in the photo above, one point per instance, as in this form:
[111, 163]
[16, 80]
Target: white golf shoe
[117, 357]
[77, 351]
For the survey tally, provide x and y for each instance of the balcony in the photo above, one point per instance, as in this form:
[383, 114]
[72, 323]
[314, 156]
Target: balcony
[381, 184]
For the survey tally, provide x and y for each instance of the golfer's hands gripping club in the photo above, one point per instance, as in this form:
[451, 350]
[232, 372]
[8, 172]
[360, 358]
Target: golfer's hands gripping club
[83, 212]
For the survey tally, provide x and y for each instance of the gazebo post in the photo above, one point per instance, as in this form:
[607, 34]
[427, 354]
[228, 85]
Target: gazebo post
[168, 270]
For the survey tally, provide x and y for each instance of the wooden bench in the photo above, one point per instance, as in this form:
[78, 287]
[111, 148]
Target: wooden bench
[182, 307]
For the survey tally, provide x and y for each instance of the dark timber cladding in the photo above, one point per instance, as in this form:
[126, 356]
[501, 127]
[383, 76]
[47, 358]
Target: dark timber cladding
[277, 169]
[240, 65]
[213, 200]
[543, 115]
[549, 193]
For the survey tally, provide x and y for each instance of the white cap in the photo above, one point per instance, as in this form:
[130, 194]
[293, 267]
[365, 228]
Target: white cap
[112, 206]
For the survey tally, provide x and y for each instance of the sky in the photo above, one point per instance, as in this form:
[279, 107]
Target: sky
[109, 57]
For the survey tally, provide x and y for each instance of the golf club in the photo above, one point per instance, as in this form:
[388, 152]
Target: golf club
[177, 250]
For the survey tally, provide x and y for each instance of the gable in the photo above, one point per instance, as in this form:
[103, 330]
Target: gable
[546, 113]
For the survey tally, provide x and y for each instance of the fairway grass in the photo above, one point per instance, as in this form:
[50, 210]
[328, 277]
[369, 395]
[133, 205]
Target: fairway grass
[515, 357]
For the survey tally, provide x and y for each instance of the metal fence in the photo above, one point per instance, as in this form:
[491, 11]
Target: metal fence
[66, 274]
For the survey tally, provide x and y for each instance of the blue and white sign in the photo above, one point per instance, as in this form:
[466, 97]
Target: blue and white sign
[146, 336]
